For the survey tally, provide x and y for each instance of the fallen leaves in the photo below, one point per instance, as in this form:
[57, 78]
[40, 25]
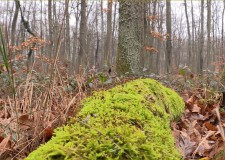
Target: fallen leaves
[200, 131]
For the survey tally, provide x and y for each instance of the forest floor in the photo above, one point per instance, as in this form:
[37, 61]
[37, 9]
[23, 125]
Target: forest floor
[37, 102]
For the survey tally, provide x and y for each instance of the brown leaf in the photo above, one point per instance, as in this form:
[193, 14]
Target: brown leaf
[48, 132]
[196, 108]
[210, 126]
[6, 143]
[1, 139]
[24, 122]
[23, 118]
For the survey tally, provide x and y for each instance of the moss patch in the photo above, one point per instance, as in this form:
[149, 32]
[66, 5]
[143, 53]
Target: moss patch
[130, 121]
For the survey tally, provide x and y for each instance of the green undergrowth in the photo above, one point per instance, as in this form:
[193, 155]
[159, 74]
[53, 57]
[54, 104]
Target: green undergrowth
[130, 121]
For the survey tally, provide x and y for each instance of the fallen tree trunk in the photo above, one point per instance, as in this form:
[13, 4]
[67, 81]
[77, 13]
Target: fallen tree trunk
[130, 121]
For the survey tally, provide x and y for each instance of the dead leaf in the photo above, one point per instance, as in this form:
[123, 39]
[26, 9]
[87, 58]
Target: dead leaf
[196, 108]
[48, 132]
[210, 126]
[6, 143]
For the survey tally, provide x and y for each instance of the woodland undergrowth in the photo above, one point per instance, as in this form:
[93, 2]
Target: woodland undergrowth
[36, 98]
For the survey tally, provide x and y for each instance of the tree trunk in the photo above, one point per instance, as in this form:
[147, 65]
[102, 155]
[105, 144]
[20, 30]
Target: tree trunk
[208, 33]
[83, 34]
[109, 34]
[50, 27]
[200, 68]
[189, 35]
[131, 37]
[67, 30]
[13, 30]
[169, 37]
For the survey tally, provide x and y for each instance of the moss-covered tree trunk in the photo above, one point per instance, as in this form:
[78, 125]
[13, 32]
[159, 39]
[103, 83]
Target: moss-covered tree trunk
[131, 37]
[130, 121]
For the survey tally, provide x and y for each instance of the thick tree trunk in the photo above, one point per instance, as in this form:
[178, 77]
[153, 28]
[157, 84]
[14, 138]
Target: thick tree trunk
[131, 37]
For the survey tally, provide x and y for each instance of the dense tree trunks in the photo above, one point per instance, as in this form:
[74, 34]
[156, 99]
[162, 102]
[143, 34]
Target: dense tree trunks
[169, 37]
[197, 39]
[131, 37]
[83, 35]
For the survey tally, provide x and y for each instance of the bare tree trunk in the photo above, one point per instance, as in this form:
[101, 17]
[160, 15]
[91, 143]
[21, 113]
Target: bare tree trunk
[169, 37]
[189, 35]
[109, 34]
[96, 63]
[159, 58]
[50, 27]
[208, 33]
[102, 34]
[67, 40]
[83, 34]
[201, 47]
[13, 30]
[152, 40]
[113, 49]
[194, 64]
[41, 28]
[222, 32]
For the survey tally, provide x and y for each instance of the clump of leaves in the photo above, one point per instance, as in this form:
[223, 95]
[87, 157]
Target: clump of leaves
[200, 132]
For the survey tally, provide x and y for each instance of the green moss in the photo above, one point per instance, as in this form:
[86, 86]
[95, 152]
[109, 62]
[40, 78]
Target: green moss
[130, 121]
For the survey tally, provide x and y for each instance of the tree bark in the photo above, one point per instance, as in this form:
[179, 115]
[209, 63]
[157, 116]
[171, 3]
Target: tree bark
[50, 27]
[189, 35]
[13, 30]
[131, 37]
[109, 34]
[83, 34]
[169, 37]
[200, 68]
[208, 33]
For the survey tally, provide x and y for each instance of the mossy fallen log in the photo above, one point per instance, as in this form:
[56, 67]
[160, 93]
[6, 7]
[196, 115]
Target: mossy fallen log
[130, 121]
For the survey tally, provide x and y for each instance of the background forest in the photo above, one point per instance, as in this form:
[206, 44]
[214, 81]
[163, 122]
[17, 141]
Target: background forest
[197, 32]
[55, 53]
